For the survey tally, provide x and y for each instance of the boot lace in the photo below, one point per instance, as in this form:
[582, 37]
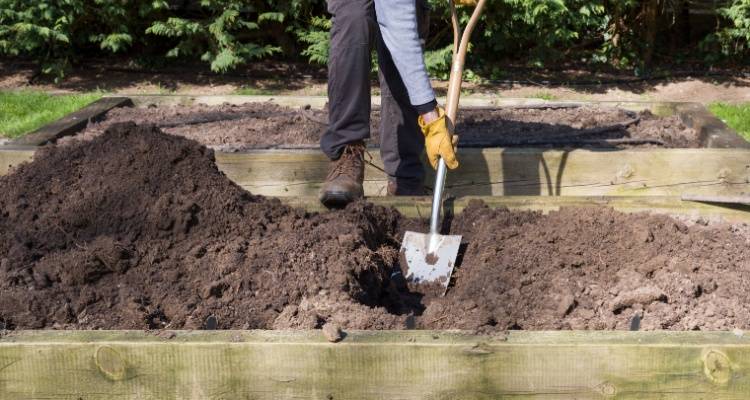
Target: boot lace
[350, 162]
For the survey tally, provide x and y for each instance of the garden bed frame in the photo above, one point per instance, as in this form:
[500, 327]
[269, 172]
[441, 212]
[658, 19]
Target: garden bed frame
[418, 364]
[721, 167]
[373, 365]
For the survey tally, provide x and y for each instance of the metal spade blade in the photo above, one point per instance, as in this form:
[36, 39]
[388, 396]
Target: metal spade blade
[429, 257]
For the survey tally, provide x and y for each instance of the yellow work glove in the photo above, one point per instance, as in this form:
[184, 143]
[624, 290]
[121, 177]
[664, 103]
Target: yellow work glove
[438, 142]
[465, 2]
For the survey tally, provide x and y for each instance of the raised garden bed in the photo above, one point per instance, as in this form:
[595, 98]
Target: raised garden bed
[719, 167]
[264, 125]
[140, 230]
[268, 125]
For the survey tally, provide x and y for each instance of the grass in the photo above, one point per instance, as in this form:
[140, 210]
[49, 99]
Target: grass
[737, 116]
[22, 112]
[544, 96]
[253, 91]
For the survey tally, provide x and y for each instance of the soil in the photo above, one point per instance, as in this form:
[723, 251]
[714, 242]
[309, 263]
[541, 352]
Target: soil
[136, 229]
[266, 125]
[572, 81]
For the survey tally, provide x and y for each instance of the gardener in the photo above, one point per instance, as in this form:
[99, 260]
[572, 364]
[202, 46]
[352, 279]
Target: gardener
[396, 29]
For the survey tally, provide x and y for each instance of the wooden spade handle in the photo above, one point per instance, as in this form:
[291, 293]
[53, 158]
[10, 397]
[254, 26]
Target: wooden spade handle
[460, 48]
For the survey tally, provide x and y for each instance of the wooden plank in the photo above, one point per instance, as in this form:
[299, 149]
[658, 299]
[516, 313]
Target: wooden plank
[374, 365]
[518, 172]
[419, 207]
[503, 172]
[10, 156]
[73, 122]
[712, 131]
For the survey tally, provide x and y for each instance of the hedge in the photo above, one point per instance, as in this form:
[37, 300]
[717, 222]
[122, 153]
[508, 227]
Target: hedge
[225, 34]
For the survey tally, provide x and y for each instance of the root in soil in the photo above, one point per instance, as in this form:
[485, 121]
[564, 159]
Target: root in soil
[137, 229]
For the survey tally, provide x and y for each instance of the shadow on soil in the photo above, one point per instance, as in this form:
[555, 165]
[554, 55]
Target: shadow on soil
[271, 77]
[591, 81]
[262, 78]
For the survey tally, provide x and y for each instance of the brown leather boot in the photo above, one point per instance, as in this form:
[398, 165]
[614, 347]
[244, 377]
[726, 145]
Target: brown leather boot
[405, 187]
[343, 184]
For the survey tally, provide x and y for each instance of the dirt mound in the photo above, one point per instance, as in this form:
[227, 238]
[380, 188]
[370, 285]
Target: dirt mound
[137, 229]
[267, 125]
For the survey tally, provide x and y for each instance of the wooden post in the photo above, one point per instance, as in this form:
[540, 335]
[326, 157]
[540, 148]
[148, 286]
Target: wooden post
[651, 20]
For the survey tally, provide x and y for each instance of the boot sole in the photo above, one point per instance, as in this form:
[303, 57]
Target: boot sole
[337, 199]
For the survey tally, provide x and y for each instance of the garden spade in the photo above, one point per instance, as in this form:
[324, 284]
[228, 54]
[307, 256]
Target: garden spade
[429, 258]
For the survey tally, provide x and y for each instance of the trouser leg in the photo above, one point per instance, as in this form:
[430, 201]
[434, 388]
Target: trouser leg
[352, 35]
[401, 140]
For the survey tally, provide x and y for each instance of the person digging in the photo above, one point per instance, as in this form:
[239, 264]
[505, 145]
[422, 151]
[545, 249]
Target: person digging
[411, 120]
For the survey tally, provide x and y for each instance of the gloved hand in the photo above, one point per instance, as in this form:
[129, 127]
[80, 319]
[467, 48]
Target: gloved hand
[438, 142]
[465, 2]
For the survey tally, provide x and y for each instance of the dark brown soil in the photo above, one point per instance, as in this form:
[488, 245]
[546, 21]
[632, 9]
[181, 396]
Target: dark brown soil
[266, 125]
[137, 229]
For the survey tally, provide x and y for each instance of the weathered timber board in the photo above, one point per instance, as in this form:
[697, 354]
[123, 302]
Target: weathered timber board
[503, 172]
[73, 122]
[713, 133]
[374, 365]
[524, 172]
[419, 207]
[11, 156]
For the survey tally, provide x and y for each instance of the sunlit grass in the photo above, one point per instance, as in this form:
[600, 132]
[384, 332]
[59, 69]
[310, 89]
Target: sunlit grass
[22, 112]
[737, 116]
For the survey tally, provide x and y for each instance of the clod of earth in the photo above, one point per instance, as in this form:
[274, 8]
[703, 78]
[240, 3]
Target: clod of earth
[332, 332]
[137, 229]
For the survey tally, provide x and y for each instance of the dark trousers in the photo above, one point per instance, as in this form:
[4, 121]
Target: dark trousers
[353, 35]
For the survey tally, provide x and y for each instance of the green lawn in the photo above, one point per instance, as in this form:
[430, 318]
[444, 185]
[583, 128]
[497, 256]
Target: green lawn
[24, 111]
[737, 116]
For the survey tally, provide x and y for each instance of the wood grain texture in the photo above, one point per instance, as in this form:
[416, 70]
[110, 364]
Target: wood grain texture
[502, 172]
[374, 365]
[524, 172]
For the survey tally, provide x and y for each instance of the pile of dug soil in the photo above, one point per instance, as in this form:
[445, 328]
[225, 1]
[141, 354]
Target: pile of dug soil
[266, 125]
[137, 229]
[140, 229]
